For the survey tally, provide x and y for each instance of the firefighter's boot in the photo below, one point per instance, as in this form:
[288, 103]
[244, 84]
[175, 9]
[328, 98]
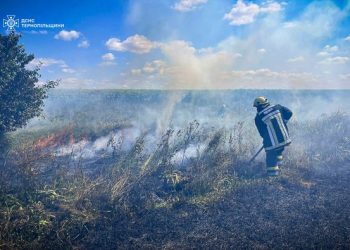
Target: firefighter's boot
[279, 159]
[273, 171]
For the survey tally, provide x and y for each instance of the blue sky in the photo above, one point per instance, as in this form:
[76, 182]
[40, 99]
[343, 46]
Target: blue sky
[200, 44]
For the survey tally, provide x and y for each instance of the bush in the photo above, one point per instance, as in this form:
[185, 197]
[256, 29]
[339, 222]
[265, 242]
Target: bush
[21, 97]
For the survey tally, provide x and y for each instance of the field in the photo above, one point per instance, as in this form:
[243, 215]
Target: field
[170, 170]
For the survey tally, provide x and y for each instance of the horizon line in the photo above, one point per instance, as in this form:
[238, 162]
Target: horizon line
[196, 89]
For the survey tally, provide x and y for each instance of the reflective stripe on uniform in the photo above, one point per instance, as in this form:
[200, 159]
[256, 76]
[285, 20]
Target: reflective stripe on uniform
[272, 136]
[265, 109]
[273, 168]
[281, 137]
[276, 128]
[283, 127]
[269, 115]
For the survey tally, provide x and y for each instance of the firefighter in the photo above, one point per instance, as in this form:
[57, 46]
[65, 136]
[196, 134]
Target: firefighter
[271, 122]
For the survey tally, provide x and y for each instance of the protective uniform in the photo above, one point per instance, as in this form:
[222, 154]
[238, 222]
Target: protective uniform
[271, 122]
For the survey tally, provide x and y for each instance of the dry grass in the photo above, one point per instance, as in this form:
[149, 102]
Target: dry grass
[210, 199]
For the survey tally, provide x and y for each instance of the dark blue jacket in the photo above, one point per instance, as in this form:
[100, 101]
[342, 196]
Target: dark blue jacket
[264, 111]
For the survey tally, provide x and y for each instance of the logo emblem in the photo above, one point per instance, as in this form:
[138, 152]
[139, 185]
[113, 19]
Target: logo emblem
[11, 22]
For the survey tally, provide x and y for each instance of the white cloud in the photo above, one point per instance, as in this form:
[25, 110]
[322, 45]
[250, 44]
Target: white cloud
[242, 13]
[185, 66]
[328, 50]
[136, 72]
[270, 7]
[264, 72]
[331, 48]
[154, 67]
[107, 63]
[323, 54]
[67, 35]
[345, 77]
[296, 59]
[46, 62]
[262, 51]
[267, 78]
[335, 60]
[347, 38]
[108, 57]
[265, 55]
[137, 44]
[38, 32]
[68, 70]
[84, 44]
[289, 25]
[188, 5]
[218, 67]
[85, 83]
[74, 83]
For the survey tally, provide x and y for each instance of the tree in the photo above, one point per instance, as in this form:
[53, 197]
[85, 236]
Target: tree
[21, 98]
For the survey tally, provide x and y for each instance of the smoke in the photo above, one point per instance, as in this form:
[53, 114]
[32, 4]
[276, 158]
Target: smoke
[192, 151]
[255, 60]
[152, 113]
[304, 51]
[191, 69]
[174, 58]
[85, 149]
[165, 117]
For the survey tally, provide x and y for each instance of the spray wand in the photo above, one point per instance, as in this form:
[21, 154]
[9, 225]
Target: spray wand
[256, 154]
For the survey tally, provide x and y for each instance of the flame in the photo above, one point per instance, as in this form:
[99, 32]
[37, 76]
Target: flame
[71, 139]
[56, 139]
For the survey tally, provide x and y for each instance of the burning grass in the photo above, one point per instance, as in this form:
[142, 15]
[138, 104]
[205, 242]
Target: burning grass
[193, 189]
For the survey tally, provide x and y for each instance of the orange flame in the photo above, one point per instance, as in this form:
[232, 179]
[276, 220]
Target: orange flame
[57, 139]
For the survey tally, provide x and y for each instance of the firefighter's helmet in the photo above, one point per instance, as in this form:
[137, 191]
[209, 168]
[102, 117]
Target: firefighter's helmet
[261, 100]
